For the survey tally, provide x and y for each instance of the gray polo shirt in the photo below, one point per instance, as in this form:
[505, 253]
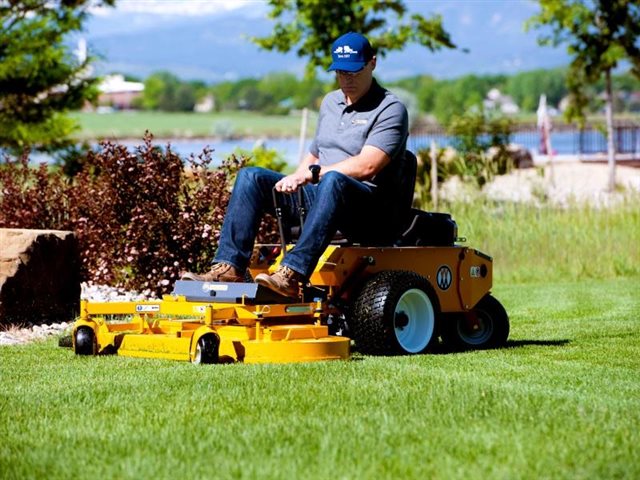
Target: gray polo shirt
[379, 119]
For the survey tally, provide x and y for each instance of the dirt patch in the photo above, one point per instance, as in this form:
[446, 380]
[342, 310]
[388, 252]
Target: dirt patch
[563, 184]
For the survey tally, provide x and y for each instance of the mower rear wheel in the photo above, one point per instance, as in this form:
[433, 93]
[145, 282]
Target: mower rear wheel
[85, 341]
[485, 326]
[207, 349]
[395, 313]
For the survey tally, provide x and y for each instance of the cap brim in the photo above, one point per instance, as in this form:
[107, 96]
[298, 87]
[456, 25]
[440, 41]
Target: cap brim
[347, 66]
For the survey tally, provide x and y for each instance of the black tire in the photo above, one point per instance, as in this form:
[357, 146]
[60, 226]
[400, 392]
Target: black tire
[487, 327]
[395, 313]
[85, 341]
[207, 349]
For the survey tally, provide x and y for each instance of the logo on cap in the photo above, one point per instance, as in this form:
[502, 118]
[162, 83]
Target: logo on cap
[344, 49]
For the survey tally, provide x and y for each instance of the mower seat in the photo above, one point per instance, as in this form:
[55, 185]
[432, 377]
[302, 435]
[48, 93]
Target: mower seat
[415, 227]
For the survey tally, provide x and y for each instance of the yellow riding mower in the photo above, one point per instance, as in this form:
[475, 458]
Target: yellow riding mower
[394, 299]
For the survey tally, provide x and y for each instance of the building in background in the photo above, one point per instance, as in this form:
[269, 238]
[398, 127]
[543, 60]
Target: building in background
[118, 93]
[496, 100]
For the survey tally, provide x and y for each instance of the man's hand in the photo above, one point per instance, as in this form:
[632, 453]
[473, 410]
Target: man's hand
[291, 183]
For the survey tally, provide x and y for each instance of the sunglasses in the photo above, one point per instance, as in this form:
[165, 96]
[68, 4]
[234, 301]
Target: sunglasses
[344, 73]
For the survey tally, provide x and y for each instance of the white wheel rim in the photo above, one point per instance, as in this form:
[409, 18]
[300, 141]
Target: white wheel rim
[198, 358]
[420, 320]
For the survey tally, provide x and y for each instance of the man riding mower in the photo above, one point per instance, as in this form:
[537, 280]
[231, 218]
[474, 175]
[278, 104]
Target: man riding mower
[396, 281]
[390, 298]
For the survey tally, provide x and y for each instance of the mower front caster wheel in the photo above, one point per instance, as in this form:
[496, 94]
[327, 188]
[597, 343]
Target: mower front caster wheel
[395, 313]
[207, 349]
[85, 343]
[484, 326]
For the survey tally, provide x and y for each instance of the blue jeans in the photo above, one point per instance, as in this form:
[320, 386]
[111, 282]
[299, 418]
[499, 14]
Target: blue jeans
[338, 202]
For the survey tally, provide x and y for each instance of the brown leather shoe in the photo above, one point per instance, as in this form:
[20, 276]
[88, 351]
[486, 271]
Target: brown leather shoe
[220, 272]
[284, 281]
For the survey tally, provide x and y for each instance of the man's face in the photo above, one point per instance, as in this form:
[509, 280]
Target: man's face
[355, 84]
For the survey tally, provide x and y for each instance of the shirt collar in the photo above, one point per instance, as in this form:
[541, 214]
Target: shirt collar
[374, 91]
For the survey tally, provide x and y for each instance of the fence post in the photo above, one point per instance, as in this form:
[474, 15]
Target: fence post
[434, 174]
[303, 133]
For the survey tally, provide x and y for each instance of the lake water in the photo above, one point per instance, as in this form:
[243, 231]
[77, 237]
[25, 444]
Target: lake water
[562, 143]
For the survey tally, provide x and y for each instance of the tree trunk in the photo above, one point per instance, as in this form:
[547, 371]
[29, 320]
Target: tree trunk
[611, 152]
[434, 174]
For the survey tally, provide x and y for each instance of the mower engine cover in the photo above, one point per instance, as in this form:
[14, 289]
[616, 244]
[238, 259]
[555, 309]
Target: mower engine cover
[429, 229]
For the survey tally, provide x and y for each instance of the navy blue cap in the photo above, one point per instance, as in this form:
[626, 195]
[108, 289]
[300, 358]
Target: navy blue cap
[351, 52]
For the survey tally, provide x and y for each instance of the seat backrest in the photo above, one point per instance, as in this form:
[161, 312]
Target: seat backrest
[399, 180]
[408, 180]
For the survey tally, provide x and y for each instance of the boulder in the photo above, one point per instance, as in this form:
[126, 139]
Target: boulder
[39, 276]
[520, 156]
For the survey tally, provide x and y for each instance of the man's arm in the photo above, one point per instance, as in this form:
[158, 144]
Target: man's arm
[364, 166]
[387, 136]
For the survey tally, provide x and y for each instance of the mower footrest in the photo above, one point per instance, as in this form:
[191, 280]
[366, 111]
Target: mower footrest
[222, 292]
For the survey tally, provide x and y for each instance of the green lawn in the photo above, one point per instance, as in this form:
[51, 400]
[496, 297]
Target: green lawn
[186, 125]
[550, 243]
[563, 401]
[218, 124]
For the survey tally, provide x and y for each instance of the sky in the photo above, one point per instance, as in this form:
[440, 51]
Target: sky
[208, 40]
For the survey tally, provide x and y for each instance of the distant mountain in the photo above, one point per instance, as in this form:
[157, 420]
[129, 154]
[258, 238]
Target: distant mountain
[214, 46]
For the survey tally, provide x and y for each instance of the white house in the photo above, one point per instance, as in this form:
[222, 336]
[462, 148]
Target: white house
[497, 101]
[118, 93]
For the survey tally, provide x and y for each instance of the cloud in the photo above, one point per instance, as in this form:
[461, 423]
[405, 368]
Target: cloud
[515, 63]
[181, 7]
[466, 19]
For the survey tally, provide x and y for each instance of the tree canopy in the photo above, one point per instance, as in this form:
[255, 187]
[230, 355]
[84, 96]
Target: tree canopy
[599, 34]
[309, 27]
[40, 78]
[165, 91]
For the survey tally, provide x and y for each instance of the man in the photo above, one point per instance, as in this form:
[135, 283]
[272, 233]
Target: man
[359, 144]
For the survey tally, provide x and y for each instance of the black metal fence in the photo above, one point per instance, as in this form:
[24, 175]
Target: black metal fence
[565, 138]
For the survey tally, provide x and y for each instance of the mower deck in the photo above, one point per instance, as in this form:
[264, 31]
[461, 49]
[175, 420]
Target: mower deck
[210, 322]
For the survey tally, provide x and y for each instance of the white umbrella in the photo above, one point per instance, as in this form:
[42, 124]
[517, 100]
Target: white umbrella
[544, 124]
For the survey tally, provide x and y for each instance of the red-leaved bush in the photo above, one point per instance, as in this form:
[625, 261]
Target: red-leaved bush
[140, 217]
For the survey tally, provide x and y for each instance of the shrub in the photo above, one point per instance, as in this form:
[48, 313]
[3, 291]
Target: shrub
[140, 217]
[474, 134]
[261, 156]
[478, 153]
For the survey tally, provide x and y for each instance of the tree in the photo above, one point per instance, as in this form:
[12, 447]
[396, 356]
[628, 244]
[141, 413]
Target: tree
[458, 96]
[424, 87]
[40, 79]
[165, 91]
[599, 34]
[311, 26]
[526, 87]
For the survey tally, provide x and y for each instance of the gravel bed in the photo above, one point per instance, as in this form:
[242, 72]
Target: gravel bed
[20, 334]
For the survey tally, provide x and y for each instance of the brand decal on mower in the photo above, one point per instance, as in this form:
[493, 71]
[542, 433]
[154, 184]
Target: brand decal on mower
[147, 308]
[216, 287]
[444, 277]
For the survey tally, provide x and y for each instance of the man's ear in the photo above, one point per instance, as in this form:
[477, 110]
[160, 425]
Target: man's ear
[373, 62]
